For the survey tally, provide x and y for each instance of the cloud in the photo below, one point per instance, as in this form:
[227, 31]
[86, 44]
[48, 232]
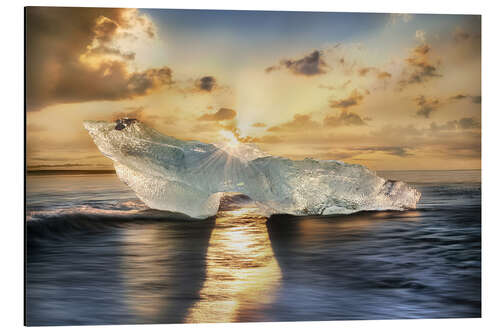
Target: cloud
[384, 75]
[392, 132]
[259, 124]
[139, 113]
[222, 114]
[72, 56]
[420, 68]
[310, 65]
[420, 36]
[106, 31]
[332, 87]
[130, 112]
[32, 128]
[476, 99]
[103, 50]
[262, 139]
[365, 70]
[396, 18]
[460, 35]
[473, 99]
[468, 123]
[380, 74]
[345, 118]
[448, 126]
[426, 106]
[458, 97]
[391, 150]
[206, 83]
[354, 99]
[299, 122]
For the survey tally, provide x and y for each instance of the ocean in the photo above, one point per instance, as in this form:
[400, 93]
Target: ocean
[96, 255]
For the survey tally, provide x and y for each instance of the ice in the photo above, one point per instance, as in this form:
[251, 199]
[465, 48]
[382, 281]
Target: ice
[190, 177]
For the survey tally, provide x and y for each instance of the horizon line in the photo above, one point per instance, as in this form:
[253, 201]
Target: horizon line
[28, 170]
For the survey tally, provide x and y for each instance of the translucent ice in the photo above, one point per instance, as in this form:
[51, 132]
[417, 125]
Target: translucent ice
[190, 177]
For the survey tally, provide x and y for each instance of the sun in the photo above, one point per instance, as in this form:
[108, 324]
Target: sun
[230, 140]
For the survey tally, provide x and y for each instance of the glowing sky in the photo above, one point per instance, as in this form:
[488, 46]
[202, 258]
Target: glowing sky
[389, 91]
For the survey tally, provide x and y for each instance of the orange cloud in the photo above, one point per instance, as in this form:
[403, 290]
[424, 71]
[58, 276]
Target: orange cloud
[345, 118]
[222, 114]
[420, 67]
[70, 57]
[299, 122]
[354, 99]
[426, 105]
[310, 65]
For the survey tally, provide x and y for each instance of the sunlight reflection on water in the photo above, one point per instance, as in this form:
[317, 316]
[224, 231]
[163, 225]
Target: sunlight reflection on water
[242, 273]
[93, 259]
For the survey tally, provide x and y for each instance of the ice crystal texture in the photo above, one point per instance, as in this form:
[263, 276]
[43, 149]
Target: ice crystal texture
[190, 177]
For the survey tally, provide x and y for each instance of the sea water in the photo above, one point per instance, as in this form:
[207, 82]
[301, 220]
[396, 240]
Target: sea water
[97, 255]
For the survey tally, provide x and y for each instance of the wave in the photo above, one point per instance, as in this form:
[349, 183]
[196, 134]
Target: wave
[59, 224]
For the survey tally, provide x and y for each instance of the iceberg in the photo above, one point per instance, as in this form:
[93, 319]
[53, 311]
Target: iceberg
[190, 177]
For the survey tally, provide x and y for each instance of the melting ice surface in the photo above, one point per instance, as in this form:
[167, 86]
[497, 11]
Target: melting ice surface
[190, 177]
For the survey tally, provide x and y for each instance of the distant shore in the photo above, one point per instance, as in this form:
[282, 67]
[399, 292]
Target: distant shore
[68, 172]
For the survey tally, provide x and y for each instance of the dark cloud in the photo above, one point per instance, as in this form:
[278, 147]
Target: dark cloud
[310, 65]
[354, 99]
[272, 69]
[61, 41]
[222, 114]
[345, 118]
[468, 123]
[420, 68]
[476, 99]
[473, 99]
[426, 106]
[391, 150]
[299, 122]
[460, 35]
[206, 83]
[459, 97]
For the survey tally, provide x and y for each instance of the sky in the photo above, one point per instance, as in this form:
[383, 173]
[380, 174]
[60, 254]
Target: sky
[388, 91]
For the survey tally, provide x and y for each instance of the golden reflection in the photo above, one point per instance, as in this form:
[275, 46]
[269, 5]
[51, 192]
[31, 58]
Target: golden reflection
[242, 273]
[141, 269]
[312, 228]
